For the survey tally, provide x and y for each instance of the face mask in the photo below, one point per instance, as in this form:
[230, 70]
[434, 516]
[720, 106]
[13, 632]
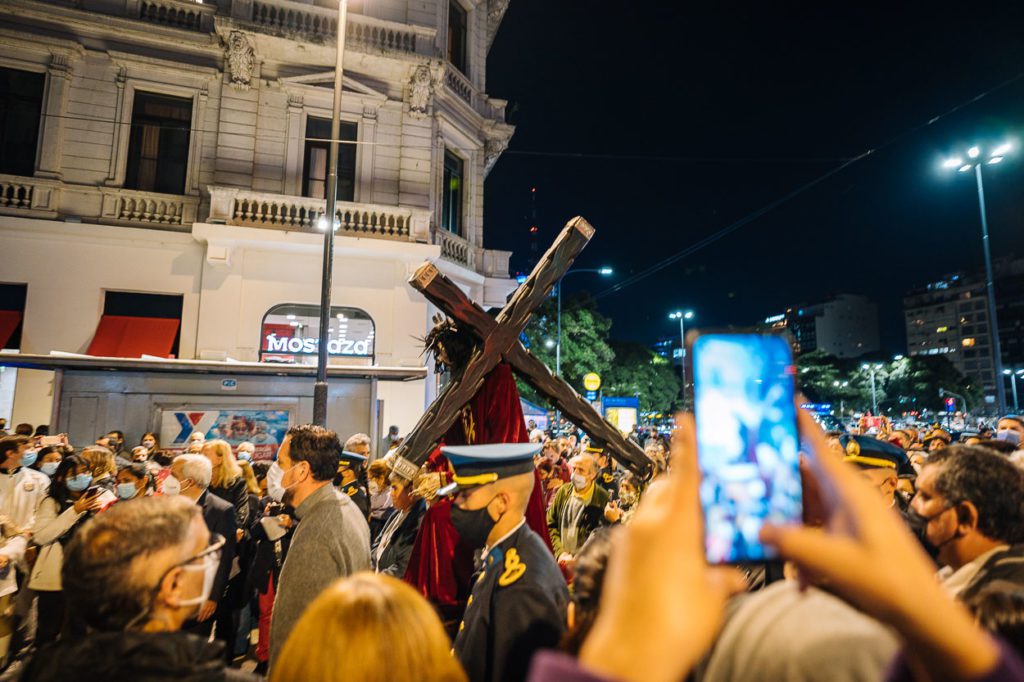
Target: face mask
[274, 489]
[209, 568]
[49, 468]
[171, 486]
[245, 456]
[628, 499]
[29, 458]
[919, 526]
[1002, 434]
[579, 482]
[373, 488]
[126, 491]
[79, 483]
[149, 444]
[474, 525]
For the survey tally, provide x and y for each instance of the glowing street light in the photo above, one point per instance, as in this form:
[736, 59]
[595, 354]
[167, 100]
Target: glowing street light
[682, 317]
[977, 159]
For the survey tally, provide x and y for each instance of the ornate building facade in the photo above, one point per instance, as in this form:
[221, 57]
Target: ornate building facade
[167, 160]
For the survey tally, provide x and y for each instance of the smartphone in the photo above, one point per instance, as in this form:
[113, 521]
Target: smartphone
[747, 441]
[51, 440]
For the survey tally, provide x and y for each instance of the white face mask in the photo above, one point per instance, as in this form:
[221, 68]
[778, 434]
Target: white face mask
[579, 482]
[274, 489]
[171, 486]
[373, 488]
[209, 568]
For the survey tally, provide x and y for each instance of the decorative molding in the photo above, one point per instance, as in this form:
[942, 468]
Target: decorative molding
[497, 136]
[419, 92]
[495, 13]
[240, 59]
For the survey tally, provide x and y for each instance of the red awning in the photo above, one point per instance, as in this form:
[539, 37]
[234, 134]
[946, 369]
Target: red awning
[9, 321]
[119, 336]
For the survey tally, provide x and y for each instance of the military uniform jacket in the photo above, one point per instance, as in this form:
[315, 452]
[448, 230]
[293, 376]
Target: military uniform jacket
[609, 479]
[356, 493]
[517, 607]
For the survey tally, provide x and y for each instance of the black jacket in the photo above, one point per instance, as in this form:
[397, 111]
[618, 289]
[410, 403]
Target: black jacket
[220, 519]
[137, 656]
[395, 558]
[236, 494]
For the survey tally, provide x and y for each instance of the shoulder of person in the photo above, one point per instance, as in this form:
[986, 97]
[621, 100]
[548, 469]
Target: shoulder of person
[34, 481]
[218, 503]
[601, 497]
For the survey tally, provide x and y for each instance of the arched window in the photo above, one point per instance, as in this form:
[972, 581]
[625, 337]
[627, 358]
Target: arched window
[291, 334]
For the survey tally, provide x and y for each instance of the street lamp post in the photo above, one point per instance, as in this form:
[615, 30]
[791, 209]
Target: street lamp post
[604, 272]
[974, 162]
[682, 317]
[1013, 384]
[320, 387]
[874, 398]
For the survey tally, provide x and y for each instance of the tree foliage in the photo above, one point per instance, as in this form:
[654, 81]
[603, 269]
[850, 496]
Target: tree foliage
[639, 371]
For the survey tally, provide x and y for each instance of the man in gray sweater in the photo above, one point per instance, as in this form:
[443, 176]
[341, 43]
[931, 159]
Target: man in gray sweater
[332, 539]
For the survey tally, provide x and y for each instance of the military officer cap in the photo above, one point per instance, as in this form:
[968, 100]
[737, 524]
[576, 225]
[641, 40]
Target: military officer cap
[482, 464]
[352, 459]
[871, 453]
[595, 448]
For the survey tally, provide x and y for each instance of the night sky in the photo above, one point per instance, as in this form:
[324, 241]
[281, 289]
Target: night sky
[663, 122]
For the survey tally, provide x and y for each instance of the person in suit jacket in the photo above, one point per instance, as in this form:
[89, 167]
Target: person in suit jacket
[393, 547]
[190, 477]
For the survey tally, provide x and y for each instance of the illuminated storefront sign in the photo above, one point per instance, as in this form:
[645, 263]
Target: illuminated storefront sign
[291, 334]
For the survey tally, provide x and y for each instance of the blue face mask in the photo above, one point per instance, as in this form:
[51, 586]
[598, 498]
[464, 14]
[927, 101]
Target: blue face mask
[245, 455]
[1008, 435]
[29, 458]
[79, 483]
[49, 468]
[126, 491]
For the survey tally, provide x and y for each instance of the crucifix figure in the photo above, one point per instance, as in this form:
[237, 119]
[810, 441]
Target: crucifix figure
[499, 341]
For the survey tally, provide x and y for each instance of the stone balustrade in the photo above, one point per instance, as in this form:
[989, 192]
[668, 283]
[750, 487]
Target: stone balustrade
[30, 197]
[456, 249]
[232, 206]
[147, 209]
[293, 19]
[459, 84]
[185, 14]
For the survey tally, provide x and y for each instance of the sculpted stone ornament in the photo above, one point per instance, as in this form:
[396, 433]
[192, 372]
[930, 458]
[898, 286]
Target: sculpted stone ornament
[493, 149]
[241, 60]
[421, 91]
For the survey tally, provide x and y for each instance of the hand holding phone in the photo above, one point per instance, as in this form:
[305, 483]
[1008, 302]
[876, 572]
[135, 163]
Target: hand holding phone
[747, 442]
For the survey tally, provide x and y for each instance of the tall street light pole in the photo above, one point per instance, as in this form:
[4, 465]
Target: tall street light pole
[874, 397]
[975, 160]
[1013, 384]
[604, 272]
[682, 317]
[320, 387]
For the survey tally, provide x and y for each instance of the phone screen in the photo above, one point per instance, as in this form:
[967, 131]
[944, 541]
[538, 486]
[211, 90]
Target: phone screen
[747, 441]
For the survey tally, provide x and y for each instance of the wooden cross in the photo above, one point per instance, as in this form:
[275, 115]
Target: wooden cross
[499, 340]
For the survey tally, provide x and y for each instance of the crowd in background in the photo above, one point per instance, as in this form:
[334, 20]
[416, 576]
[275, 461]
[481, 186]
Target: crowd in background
[123, 562]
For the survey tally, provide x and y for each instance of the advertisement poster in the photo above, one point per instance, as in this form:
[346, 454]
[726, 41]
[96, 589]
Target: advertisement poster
[262, 428]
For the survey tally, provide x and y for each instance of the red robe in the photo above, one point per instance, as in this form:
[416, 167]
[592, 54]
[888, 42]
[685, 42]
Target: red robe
[441, 566]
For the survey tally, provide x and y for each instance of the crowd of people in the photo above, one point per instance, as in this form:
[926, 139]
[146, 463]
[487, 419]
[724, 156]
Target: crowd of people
[538, 559]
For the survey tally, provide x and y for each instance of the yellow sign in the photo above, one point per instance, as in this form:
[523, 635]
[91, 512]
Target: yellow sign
[592, 381]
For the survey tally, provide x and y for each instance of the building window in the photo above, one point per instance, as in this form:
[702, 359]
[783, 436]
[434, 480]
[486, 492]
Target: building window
[451, 194]
[318, 149]
[457, 34]
[21, 103]
[132, 305]
[291, 334]
[159, 143]
[12, 314]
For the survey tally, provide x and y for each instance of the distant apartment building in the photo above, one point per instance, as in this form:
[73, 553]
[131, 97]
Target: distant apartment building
[845, 326]
[950, 317]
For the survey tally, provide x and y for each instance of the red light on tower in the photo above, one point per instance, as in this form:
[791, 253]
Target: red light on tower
[533, 230]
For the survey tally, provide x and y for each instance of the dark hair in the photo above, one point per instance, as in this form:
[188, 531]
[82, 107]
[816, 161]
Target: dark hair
[260, 469]
[100, 576]
[546, 467]
[316, 445]
[23, 429]
[45, 451]
[42, 430]
[591, 564]
[11, 444]
[987, 480]
[1001, 611]
[58, 484]
[162, 458]
[138, 470]
[1003, 447]
[458, 344]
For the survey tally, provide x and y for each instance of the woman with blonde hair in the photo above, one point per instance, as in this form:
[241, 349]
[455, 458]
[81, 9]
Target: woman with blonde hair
[383, 619]
[102, 466]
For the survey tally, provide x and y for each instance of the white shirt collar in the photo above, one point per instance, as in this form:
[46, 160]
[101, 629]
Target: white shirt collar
[504, 537]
